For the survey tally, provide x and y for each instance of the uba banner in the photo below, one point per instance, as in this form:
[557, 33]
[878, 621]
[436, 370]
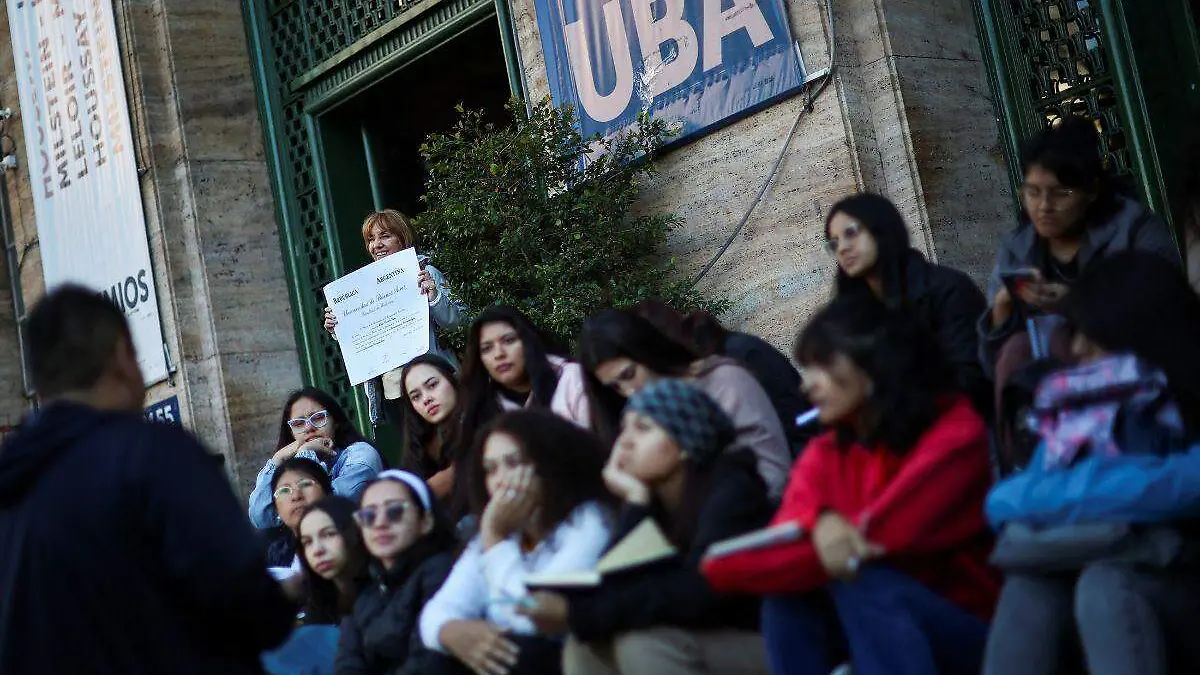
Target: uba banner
[693, 62]
[79, 154]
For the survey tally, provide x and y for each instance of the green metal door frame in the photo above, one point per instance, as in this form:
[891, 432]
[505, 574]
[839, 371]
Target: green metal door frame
[300, 77]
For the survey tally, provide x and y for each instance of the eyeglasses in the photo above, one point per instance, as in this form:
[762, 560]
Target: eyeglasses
[1033, 193]
[392, 513]
[849, 234]
[285, 491]
[316, 420]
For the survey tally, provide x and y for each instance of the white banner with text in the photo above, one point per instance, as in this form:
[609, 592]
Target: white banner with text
[80, 158]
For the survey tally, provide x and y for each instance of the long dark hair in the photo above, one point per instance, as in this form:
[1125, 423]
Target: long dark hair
[1141, 303]
[911, 378]
[440, 539]
[418, 433]
[325, 603]
[883, 220]
[478, 388]
[620, 333]
[344, 432]
[568, 460]
[1071, 151]
[699, 331]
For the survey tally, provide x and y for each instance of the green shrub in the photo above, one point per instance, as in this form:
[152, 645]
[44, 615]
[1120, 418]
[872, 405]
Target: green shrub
[513, 219]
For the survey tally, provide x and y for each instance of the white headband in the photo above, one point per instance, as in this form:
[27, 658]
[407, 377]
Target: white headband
[413, 481]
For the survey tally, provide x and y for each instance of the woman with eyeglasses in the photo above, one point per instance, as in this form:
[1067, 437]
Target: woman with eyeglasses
[298, 483]
[412, 544]
[866, 235]
[1073, 213]
[537, 489]
[621, 352]
[315, 426]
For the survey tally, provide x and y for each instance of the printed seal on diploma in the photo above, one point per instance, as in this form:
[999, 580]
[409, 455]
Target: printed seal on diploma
[382, 318]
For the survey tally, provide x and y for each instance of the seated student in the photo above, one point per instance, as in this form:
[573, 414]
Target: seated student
[508, 366]
[334, 563]
[704, 335]
[894, 565]
[1119, 446]
[621, 352]
[298, 483]
[1074, 214]
[315, 426]
[412, 549]
[868, 239]
[431, 415]
[669, 464]
[536, 486]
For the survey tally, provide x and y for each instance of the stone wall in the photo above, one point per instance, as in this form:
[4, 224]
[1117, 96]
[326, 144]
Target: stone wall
[210, 217]
[908, 115]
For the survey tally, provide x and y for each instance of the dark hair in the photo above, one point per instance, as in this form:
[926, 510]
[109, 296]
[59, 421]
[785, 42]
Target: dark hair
[568, 460]
[1141, 302]
[1071, 151]
[418, 433]
[882, 219]
[325, 603]
[620, 333]
[910, 375]
[73, 335]
[1190, 216]
[478, 388]
[305, 466]
[699, 331]
[344, 432]
[441, 539]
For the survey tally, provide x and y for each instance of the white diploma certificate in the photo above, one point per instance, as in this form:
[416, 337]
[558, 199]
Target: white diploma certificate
[382, 318]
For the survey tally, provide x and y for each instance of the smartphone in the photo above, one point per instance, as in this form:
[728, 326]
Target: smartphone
[1016, 280]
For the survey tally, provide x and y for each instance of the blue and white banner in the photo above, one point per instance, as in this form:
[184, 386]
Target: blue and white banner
[696, 63]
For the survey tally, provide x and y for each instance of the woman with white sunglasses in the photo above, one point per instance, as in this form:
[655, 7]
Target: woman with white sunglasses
[314, 425]
[412, 543]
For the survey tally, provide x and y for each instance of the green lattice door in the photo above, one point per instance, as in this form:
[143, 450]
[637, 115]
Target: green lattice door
[1130, 65]
[310, 57]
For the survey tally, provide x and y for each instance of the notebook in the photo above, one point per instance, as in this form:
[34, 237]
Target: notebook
[782, 533]
[644, 545]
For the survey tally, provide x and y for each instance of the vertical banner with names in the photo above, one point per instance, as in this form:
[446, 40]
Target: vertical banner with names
[80, 158]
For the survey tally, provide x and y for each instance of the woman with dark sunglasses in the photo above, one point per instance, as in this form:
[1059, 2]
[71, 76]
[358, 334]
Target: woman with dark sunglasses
[867, 237]
[315, 426]
[411, 543]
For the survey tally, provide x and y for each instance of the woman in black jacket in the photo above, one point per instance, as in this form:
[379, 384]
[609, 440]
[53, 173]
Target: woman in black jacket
[867, 236]
[411, 543]
[669, 464]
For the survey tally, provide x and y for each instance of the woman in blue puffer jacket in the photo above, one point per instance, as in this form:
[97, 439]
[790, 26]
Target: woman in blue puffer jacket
[1098, 535]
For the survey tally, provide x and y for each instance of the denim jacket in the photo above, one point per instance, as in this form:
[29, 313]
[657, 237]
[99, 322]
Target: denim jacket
[352, 470]
[445, 313]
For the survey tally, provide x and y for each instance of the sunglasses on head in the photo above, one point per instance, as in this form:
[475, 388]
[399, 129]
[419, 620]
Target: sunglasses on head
[392, 513]
[316, 420]
[849, 233]
[285, 491]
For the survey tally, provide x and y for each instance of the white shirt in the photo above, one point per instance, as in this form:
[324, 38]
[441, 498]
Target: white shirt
[478, 576]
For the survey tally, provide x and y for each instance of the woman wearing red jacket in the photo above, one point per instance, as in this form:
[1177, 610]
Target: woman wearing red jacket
[892, 570]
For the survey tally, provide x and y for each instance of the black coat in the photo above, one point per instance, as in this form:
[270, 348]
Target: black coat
[380, 637]
[949, 303]
[676, 594]
[123, 550]
[779, 378]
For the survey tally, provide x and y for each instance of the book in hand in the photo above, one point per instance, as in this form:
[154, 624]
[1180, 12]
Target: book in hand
[644, 545]
[782, 533]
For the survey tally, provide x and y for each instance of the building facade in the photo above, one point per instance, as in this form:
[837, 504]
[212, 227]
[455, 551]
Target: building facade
[267, 129]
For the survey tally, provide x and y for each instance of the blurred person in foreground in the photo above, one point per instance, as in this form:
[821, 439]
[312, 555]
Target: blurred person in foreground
[122, 546]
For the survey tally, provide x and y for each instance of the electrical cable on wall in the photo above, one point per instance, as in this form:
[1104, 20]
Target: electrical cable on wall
[808, 95]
